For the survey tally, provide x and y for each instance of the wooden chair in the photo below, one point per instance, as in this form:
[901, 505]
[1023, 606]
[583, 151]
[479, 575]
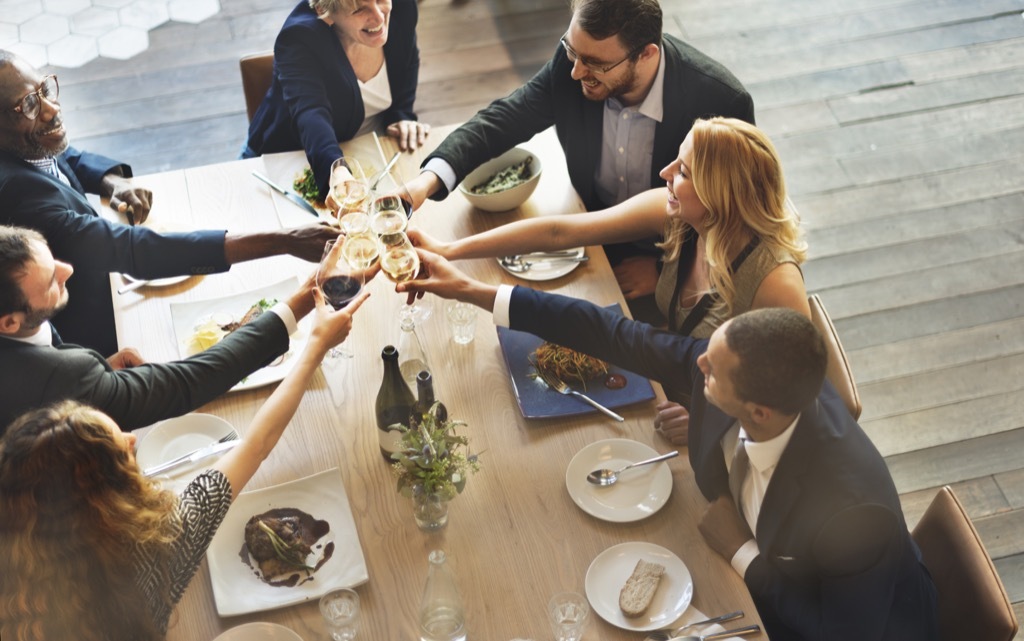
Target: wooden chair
[838, 372]
[257, 72]
[972, 600]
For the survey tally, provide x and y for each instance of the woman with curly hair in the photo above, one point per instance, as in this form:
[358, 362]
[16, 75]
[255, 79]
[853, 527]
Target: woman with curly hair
[93, 550]
[732, 240]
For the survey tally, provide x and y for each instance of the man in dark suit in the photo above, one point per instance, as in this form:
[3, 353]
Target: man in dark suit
[819, 535]
[36, 369]
[43, 183]
[622, 97]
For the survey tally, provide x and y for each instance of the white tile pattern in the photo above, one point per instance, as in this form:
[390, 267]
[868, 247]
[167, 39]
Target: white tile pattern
[70, 33]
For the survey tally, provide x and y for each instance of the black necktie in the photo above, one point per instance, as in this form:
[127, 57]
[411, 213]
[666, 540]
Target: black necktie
[738, 472]
[55, 336]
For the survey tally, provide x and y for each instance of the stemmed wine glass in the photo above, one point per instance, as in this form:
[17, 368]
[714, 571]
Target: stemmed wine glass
[349, 188]
[340, 281]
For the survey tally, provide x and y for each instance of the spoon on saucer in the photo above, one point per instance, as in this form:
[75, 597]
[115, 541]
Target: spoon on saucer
[605, 477]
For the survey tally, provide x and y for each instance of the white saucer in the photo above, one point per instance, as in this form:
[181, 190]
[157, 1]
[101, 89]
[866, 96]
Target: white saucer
[176, 436]
[639, 493]
[610, 569]
[258, 631]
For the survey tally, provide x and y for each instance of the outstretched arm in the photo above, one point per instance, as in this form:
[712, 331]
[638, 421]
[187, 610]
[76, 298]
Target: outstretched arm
[329, 329]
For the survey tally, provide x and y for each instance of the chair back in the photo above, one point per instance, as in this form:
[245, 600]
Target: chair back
[838, 372]
[972, 600]
[257, 73]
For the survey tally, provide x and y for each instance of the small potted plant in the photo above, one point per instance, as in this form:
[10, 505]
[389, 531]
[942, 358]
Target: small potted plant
[433, 465]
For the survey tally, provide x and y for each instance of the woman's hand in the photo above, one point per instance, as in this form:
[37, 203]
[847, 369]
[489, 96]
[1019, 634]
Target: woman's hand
[420, 238]
[331, 327]
[410, 134]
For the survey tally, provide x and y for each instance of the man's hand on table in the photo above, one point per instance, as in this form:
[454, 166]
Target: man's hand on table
[673, 422]
[439, 277]
[125, 358]
[637, 276]
[723, 527]
[128, 199]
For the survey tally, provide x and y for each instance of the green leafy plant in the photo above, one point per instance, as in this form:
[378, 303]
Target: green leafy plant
[433, 458]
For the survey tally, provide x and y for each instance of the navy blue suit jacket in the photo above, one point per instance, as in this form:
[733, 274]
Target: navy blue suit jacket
[695, 87]
[836, 560]
[314, 101]
[94, 246]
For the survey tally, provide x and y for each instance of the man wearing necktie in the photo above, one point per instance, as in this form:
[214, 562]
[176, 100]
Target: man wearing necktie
[43, 186]
[819, 535]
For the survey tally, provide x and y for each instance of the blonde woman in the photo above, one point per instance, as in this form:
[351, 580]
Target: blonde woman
[732, 238]
[94, 551]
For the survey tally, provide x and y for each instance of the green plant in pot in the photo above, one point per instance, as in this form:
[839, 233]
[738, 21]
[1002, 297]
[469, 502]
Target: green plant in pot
[433, 465]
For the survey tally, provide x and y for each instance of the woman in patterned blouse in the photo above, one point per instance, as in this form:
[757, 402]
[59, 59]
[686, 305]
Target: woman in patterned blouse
[92, 550]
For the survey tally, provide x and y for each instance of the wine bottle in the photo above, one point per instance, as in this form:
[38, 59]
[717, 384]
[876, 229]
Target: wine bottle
[426, 400]
[394, 403]
[412, 358]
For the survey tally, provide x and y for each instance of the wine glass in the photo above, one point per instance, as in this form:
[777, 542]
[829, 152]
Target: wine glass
[360, 247]
[349, 188]
[340, 281]
[390, 204]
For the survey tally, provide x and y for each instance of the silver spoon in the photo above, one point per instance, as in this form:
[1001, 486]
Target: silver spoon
[607, 477]
[738, 632]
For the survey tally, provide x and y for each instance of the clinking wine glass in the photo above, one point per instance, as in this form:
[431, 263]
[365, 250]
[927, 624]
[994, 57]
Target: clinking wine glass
[401, 263]
[349, 188]
[360, 247]
[340, 282]
[390, 204]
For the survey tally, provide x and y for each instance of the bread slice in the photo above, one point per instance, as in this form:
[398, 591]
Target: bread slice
[637, 594]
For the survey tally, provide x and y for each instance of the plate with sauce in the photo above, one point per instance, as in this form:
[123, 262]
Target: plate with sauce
[239, 589]
[618, 388]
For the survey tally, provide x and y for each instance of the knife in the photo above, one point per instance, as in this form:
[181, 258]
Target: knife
[192, 457]
[290, 195]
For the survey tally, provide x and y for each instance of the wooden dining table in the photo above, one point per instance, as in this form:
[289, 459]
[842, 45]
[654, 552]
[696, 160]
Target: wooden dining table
[515, 537]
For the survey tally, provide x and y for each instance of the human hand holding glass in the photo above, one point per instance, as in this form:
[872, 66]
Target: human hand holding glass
[340, 283]
[350, 191]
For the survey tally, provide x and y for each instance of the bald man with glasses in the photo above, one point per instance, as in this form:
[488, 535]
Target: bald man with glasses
[622, 97]
[43, 186]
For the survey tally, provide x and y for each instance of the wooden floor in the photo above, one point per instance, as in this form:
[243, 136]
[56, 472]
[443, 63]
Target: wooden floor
[901, 123]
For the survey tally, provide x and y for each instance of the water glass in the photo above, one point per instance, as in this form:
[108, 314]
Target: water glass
[461, 321]
[569, 613]
[340, 610]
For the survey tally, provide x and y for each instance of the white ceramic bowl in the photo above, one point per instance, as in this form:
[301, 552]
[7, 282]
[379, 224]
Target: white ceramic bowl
[503, 200]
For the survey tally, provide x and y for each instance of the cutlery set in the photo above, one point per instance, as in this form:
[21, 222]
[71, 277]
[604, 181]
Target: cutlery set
[669, 634]
[225, 443]
[521, 263]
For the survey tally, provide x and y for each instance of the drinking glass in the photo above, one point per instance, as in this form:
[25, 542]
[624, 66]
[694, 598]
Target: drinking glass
[340, 610]
[360, 247]
[349, 188]
[569, 613]
[340, 282]
[390, 204]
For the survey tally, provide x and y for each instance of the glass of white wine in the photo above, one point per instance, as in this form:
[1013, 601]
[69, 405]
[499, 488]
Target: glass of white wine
[349, 188]
[360, 247]
[398, 258]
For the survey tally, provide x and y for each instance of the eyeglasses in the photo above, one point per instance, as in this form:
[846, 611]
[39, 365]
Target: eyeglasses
[31, 103]
[596, 68]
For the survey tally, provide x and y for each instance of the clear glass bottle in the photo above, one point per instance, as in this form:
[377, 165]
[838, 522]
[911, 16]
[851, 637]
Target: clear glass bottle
[412, 359]
[394, 403]
[442, 617]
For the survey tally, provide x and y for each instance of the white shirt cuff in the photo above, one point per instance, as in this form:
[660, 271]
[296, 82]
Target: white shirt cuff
[443, 170]
[744, 557]
[502, 303]
[286, 315]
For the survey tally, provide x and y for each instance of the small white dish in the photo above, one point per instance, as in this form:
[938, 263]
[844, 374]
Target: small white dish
[236, 587]
[546, 269]
[258, 631]
[185, 317]
[610, 569]
[639, 493]
[174, 437]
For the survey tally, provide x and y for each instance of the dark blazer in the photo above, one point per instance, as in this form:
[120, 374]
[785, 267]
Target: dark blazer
[32, 376]
[94, 246]
[695, 86]
[314, 100]
[836, 561]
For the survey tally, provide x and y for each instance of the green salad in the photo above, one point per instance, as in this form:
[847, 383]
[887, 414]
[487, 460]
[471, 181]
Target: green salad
[507, 178]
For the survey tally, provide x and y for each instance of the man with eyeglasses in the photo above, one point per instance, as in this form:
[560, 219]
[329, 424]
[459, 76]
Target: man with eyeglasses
[622, 97]
[43, 182]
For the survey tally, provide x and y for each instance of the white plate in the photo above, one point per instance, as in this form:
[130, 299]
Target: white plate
[185, 317]
[237, 589]
[639, 493]
[610, 569]
[258, 632]
[546, 270]
[176, 436]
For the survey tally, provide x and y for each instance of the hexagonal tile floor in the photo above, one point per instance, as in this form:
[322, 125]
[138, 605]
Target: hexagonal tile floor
[70, 33]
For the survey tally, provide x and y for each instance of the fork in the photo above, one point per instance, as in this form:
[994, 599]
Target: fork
[518, 265]
[230, 436]
[668, 633]
[562, 388]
